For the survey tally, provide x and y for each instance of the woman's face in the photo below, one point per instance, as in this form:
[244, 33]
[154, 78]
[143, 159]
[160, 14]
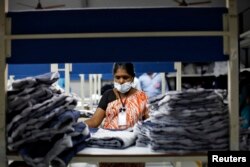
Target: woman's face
[121, 76]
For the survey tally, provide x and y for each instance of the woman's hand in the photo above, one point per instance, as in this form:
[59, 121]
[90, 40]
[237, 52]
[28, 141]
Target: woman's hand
[96, 119]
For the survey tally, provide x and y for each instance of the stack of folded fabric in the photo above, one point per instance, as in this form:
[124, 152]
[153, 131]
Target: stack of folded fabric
[42, 123]
[184, 121]
[114, 139]
[245, 139]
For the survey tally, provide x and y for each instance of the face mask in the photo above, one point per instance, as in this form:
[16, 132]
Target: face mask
[123, 88]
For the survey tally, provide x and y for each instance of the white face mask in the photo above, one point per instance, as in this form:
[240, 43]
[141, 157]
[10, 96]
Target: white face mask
[123, 88]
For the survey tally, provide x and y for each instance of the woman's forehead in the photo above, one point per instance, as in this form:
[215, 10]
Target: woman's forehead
[121, 71]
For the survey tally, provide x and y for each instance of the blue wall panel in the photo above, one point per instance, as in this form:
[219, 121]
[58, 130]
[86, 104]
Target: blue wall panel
[143, 49]
[27, 70]
[117, 20]
[185, 49]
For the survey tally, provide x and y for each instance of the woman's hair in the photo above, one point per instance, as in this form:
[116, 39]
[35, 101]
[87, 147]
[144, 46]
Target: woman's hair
[129, 67]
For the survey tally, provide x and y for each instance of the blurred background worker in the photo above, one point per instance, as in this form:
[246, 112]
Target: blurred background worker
[151, 84]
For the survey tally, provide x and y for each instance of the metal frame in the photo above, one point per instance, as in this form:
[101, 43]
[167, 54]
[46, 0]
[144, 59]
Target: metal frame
[233, 81]
[245, 39]
[233, 76]
[178, 67]
[118, 35]
[3, 85]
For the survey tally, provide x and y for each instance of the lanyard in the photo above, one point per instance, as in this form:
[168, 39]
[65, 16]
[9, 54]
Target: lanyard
[123, 109]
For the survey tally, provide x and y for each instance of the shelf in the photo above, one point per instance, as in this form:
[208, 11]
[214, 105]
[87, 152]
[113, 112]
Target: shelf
[245, 34]
[172, 75]
[245, 39]
[131, 154]
[245, 43]
[245, 69]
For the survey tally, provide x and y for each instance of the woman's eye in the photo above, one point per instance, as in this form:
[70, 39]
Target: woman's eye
[125, 78]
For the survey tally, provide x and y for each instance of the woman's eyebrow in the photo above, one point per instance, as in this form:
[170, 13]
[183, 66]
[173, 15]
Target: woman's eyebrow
[122, 76]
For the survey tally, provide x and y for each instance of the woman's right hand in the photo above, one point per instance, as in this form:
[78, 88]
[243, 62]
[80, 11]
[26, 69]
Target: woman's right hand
[96, 119]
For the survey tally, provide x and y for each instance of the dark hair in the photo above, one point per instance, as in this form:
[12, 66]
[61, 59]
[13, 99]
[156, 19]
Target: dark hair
[106, 87]
[129, 67]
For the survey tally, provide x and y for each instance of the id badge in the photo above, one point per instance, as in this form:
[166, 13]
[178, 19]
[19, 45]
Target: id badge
[122, 119]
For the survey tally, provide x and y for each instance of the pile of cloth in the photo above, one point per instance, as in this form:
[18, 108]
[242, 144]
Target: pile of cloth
[113, 139]
[245, 139]
[42, 123]
[195, 120]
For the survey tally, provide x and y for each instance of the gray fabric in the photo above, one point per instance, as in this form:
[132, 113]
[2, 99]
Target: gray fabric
[184, 121]
[47, 78]
[24, 83]
[39, 121]
[116, 139]
[39, 95]
[49, 150]
[37, 110]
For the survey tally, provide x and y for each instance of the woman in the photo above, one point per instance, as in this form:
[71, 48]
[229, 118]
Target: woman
[121, 107]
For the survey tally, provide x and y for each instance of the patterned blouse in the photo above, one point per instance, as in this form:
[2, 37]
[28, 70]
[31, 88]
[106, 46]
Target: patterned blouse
[135, 105]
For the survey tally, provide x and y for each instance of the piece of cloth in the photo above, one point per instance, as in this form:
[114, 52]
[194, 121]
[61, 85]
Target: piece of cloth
[39, 111]
[47, 78]
[186, 121]
[24, 133]
[64, 145]
[63, 159]
[56, 145]
[244, 139]
[42, 123]
[17, 103]
[115, 139]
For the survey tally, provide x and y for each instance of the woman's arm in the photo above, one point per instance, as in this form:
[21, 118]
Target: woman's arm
[146, 115]
[96, 119]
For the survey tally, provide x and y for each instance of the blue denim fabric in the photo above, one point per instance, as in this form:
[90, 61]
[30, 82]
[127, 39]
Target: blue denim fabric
[33, 157]
[61, 146]
[116, 139]
[59, 124]
[24, 83]
[13, 92]
[80, 128]
[63, 159]
[244, 139]
[184, 121]
[18, 103]
[38, 110]
[63, 119]
[47, 78]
